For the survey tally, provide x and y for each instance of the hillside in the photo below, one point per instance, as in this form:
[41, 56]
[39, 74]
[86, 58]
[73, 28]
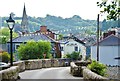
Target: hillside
[73, 24]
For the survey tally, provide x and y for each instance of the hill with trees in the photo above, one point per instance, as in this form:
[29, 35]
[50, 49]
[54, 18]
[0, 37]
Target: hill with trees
[74, 24]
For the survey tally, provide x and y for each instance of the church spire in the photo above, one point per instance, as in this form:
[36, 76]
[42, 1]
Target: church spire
[24, 23]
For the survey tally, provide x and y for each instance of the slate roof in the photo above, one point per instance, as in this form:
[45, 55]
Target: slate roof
[64, 41]
[111, 40]
[34, 37]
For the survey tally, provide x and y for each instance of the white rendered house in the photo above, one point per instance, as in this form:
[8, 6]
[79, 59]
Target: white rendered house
[70, 45]
[109, 50]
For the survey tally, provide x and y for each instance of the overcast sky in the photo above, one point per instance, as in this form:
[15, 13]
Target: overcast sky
[87, 9]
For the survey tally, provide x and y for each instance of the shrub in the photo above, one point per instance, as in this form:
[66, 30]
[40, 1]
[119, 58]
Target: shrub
[75, 55]
[67, 56]
[98, 68]
[5, 57]
[34, 50]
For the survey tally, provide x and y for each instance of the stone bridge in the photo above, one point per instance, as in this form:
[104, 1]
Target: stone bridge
[56, 68]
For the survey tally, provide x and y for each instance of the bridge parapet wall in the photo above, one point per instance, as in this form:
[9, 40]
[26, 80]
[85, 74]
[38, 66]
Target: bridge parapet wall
[80, 69]
[20, 64]
[46, 63]
[10, 73]
[91, 76]
[76, 68]
[33, 64]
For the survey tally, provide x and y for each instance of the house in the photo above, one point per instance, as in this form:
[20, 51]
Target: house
[36, 37]
[71, 44]
[109, 49]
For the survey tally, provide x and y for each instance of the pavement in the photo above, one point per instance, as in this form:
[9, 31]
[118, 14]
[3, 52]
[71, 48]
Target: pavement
[48, 73]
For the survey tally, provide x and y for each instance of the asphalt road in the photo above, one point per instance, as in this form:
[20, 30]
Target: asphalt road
[48, 73]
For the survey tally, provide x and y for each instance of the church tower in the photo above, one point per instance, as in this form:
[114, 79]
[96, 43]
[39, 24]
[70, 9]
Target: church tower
[24, 23]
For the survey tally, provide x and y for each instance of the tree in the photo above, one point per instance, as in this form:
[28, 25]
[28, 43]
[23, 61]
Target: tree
[111, 8]
[5, 35]
[5, 57]
[34, 50]
[60, 36]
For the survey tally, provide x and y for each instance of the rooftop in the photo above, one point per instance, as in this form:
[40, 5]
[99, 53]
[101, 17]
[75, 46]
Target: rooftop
[35, 37]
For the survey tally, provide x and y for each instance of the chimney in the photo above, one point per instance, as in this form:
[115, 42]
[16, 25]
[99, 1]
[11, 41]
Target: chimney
[111, 32]
[43, 29]
[105, 35]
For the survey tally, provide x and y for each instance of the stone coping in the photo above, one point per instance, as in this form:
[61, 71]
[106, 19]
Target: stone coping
[10, 73]
[88, 74]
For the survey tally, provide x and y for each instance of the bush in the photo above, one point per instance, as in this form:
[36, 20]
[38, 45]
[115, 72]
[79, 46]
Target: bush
[98, 68]
[5, 57]
[67, 56]
[74, 55]
[34, 50]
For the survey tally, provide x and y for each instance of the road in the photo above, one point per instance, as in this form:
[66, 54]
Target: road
[48, 73]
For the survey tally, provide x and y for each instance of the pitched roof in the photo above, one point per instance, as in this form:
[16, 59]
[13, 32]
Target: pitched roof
[64, 41]
[111, 40]
[34, 37]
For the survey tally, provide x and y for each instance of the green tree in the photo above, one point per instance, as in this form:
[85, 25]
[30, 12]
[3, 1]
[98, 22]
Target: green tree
[5, 57]
[5, 35]
[34, 50]
[60, 36]
[111, 8]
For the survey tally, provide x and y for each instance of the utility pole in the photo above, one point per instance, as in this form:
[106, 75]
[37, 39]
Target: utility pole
[119, 14]
[98, 38]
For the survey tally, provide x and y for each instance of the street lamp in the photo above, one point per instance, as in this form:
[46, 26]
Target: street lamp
[10, 23]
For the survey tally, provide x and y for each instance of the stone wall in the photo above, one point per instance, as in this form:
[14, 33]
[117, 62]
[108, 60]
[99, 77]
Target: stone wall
[80, 69]
[10, 73]
[91, 76]
[74, 69]
[113, 72]
[33, 64]
[20, 64]
[55, 63]
[46, 63]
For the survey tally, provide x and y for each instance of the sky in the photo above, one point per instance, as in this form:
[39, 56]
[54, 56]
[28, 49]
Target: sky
[87, 9]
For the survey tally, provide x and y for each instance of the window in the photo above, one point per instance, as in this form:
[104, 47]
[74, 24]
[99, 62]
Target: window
[76, 48]
[61, 48]
[16, 47]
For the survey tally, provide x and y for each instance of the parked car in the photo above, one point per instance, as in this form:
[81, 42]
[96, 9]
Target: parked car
[4, 65]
